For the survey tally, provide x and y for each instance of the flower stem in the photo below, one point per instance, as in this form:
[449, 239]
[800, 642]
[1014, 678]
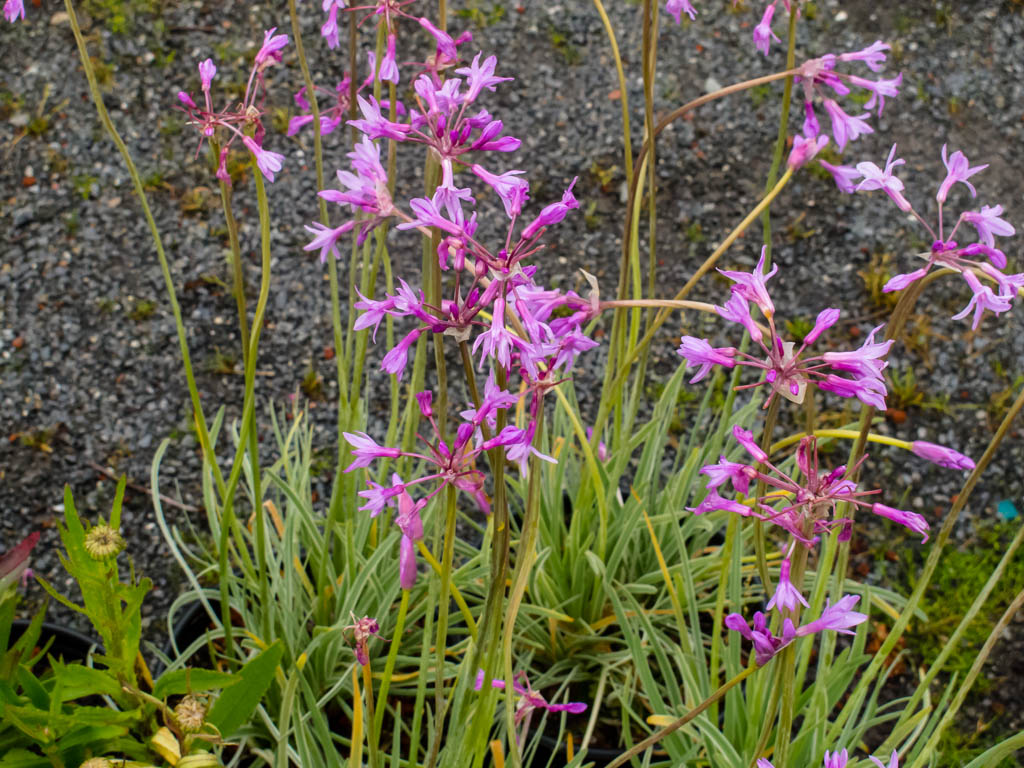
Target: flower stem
[780, 141]
[674, 726]
[186, 359]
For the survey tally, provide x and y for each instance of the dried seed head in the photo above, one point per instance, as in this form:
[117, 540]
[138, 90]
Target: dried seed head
[190, 714]
[103, 542]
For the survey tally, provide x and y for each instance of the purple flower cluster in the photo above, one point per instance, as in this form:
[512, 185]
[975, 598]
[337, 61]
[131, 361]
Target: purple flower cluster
[244, 122]
[976, 261]
[786, 369]
[809, 507]
[822, 83]
[839, 618]
[529, 700]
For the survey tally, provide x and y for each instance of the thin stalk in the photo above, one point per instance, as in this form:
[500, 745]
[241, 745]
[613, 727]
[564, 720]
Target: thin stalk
[731, 532]
[759, 539]
[186, 359]
[440, 703]
[930, 564]
[612, 386]
[525, 555]
[238, 276]
[389, 667]
[228, 519]
[954, 706]
[780, 141]
[627, 142]
[618, 321]
[674, 726]
[370, 719]
[954, 640]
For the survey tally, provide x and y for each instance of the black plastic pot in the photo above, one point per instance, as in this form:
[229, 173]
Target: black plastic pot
[550, 746]
[68, 644]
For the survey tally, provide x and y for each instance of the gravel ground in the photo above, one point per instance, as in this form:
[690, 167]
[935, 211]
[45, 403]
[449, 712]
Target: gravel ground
[89, 368]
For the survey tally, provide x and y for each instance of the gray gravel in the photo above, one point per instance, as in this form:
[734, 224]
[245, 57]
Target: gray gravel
[89, 366]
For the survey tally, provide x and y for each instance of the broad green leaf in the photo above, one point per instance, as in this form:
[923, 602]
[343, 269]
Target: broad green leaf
[192, 680]
[238, 702]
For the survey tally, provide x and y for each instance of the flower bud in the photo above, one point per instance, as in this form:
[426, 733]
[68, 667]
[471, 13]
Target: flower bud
[103, 542]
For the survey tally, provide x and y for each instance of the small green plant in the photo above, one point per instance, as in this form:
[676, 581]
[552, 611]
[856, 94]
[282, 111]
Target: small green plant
[480, 17]
[591, 217]
[904, 389]
[564, 46]
[875, 275]
[143, 310]
[694, 232]
[106, 305]
[86, 185]
[313, 384]
[223, 363]
[798, 328]
[759, 94]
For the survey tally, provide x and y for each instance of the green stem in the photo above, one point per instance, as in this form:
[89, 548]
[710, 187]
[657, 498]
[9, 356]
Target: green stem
[389, 667]
[228, 520]
[674, 726]
[627, 142]
[238, 276]
[929, 568]
[780, 141]
[525, 555]
[448, 557]
[193, 390]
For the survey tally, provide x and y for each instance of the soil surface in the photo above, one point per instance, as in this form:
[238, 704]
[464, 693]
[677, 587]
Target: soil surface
[90, 370]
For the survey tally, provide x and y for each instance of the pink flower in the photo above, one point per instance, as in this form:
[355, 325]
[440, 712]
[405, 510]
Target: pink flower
[911, 520]
[804, 150]
[512, 190]
[938, 454]
[678, 7]
[326, 239]
[988, 223]
[844, 176]
[268, 162]
[752, 286]
[529, 701]
[366, 450]
[14, 9]
[553, 213]
[894, 761]
[699, 352]
[362, 630]
[207, 71]
[846, 127]
[982, 299]
[480, 76]
[270, 51]
[872, 56]
[835, 759]
[957, 170]
[763, 34]
[876, 178]
[738, 474]
[786, 594]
